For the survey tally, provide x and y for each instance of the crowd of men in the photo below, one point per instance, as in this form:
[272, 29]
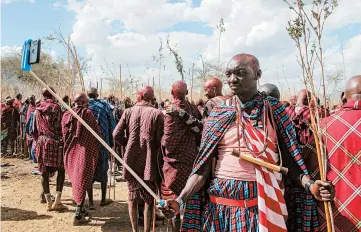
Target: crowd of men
[187, 153]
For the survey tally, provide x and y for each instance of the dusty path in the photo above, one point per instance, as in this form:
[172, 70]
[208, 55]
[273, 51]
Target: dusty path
[22, 211]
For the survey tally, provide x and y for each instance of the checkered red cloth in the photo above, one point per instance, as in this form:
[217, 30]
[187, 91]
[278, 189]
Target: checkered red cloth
[140, 130]
[342, 136]
[302, 121]
[49, 152]
[81, 151]
[179, 147]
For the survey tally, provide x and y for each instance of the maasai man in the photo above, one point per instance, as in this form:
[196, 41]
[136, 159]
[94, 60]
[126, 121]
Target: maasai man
[104, 116]
[30, 129]
[270, 90]
[301, 208]
[342, 137]
[213, 92]
[18, 103]
[49, 148]
[81, 151]
[23, 111]
[244, 196]
[182, 132]
[10, 119]
[140, 130]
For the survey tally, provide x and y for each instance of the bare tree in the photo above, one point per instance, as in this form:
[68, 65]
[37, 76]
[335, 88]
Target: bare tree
[221, 29]
[159, 59]
[307, 26]
[177, 58]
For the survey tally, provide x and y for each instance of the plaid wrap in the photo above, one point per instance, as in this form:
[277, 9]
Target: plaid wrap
[342, 137]
[49, 144]
[81, 150]
[218, 123]
[228, 218]
[104, 116]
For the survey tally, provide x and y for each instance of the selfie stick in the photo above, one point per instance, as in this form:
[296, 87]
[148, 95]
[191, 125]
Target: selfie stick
[25, 66]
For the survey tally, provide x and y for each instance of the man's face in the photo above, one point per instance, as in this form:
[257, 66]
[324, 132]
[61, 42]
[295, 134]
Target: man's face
[32, 99]
[241, 76]
[209, 91]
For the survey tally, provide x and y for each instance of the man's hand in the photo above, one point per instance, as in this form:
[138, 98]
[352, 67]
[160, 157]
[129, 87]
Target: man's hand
[170, 209]
[171, 110]
[323, 191]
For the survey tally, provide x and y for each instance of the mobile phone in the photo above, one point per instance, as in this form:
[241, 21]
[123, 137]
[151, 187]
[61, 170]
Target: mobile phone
[35, 48]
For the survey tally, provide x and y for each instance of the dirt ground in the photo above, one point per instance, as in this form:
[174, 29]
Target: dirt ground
[22, 211]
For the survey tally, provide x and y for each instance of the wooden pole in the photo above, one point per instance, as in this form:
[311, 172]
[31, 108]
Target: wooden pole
[79, 71]
[69, 71]
[192, 82]
[260, 162]
[101, 87]
[125, 165]
[120, 81]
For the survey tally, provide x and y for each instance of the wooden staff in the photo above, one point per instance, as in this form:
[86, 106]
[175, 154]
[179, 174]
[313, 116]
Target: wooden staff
[260, 162]
[69, 72]
[79, 71]
[321, 168]
[141, 182]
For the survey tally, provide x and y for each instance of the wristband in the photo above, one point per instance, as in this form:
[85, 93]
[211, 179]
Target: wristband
[308, 185]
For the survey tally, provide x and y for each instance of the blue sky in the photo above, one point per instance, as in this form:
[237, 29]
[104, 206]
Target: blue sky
[256, 27]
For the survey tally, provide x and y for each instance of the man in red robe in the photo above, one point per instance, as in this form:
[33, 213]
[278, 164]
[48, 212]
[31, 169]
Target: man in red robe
[140, 130]
[81, 151]
[213, 92]
[49, 148]
[10, 119]
[182, 132]
[342, 137]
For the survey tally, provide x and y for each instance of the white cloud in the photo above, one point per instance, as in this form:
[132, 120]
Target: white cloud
[257, 27]
[9, 50]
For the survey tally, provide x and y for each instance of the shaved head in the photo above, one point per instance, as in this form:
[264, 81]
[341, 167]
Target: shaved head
[213, 87]
[146, 93]
[81, 99]
[46, 93]
[353, 88]
[179, 90]
[270, 90]
[93, 93]
[302, 98]
[244, 59]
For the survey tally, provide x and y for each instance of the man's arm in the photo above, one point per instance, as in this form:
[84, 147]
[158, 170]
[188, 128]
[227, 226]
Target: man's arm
[119, 131]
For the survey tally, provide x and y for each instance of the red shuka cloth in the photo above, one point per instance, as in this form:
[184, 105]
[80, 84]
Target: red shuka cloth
[81, 150]
[342, 137]
[140, 130]
[179, 147]
[49, 143]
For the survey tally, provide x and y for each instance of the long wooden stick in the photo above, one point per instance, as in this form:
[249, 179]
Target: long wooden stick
[141, 182]
[320, 164]
[260, 162]
[69, 72]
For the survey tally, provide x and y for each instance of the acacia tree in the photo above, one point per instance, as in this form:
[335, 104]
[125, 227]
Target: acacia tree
[306, 31]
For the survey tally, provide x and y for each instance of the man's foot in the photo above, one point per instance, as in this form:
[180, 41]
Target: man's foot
[91, 206]
[80, 220]
[49, 206]
[106, 202]
[58, 207]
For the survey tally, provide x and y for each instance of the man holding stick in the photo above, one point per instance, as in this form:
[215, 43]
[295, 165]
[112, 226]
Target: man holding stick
[182, 132]
[140, 130]
[341, 133]
[243, 195]
[81, 151]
